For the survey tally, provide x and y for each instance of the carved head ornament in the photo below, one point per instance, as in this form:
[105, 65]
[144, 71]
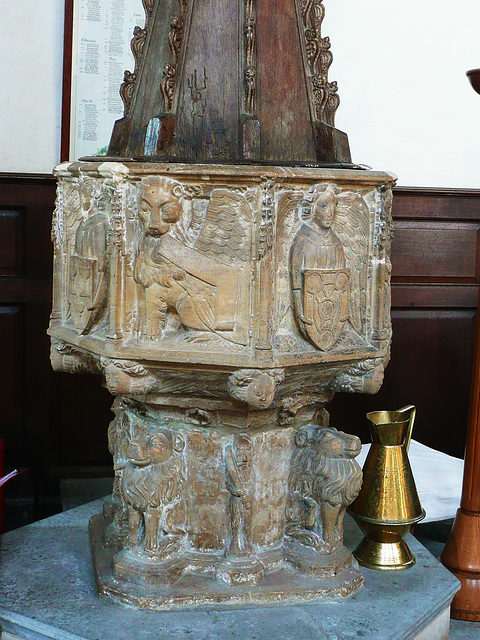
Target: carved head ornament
[328, 441]
[154, 448]
[89, 194]
[159, 204]
[242, 447]
[255, 387]
[324, 206]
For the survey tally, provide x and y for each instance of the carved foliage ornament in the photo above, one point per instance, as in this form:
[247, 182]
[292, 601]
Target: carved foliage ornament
[137, 45]
[265, 236]
[250, 57]
[175, 39]
[318, 61]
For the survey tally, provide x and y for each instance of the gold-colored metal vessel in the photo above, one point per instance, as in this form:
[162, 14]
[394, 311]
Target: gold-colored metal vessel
[387, 505]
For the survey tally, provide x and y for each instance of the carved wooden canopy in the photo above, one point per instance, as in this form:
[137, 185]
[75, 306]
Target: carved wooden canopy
[231, 81]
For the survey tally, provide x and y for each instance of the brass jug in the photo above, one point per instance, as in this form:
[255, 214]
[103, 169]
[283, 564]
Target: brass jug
[387, 506]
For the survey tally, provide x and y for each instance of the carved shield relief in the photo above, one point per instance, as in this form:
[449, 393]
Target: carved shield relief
[83, 282]
[326, 296]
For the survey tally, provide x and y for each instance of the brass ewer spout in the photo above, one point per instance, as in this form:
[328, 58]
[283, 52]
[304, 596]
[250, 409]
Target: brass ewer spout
[387, 505]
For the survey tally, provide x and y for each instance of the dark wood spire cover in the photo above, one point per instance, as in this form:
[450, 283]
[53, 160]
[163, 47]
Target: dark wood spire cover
[231, 81]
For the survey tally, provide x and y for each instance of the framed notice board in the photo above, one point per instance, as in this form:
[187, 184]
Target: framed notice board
[96, 54]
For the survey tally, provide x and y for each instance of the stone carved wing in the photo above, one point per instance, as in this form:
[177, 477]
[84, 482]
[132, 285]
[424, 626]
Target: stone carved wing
[225, 236]
[72, 212]
[351, 225]
[203, 299]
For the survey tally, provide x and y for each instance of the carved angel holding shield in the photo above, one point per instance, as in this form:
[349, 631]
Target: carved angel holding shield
[328, 265]
[89, 261]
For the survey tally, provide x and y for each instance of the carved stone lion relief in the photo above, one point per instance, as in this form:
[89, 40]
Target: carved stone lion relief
[192, 261]
[159, 207]
[324, 479]
[149, 478]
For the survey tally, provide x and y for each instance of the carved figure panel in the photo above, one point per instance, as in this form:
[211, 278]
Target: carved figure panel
[328, 262]
[193, 268]
[239, 481]
[165, 262]
[116, 509]
[324, 479]
[89, 262]
[241, 564]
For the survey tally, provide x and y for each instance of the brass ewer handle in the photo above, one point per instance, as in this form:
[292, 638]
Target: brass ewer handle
[410, 408]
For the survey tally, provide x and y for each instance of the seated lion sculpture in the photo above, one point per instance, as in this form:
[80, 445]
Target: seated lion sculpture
[151, 485]
[324, 479]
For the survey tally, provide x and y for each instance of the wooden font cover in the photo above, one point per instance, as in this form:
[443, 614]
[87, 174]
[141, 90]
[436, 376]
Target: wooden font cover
[231, 81]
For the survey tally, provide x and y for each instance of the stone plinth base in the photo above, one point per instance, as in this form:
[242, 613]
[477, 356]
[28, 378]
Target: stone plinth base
[207, 579]
[48, 591]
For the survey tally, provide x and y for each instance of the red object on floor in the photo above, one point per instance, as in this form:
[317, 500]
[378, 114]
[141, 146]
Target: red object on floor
[2, 489]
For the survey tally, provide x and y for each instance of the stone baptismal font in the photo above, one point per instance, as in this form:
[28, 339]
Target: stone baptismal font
[226, 270]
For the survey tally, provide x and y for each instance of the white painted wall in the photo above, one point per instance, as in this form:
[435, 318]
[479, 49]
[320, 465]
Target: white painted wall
[406, 103]
[31, 37]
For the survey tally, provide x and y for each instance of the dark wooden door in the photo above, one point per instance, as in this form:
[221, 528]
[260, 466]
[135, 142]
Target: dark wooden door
[50, 422]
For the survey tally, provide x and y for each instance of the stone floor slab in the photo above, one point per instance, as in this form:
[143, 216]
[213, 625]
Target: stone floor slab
[48, 591]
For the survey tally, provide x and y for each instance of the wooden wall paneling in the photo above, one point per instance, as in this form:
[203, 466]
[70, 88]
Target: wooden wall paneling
[62, 419]
[12, 394]
[26, 204]
[11, 379]
[13, 240]
[431, 204]
[430, 367]
[82, 415]
[432, 250]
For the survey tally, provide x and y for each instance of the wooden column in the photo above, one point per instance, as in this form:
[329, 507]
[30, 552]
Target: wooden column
[461, 554]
